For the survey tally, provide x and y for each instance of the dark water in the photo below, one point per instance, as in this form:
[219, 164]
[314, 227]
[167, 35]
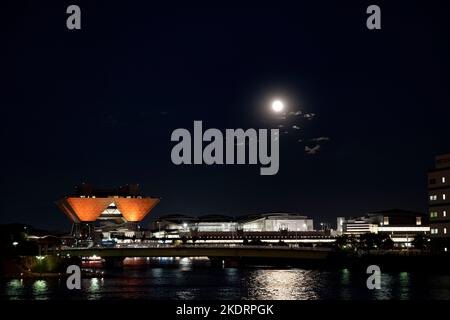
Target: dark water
[196, 279]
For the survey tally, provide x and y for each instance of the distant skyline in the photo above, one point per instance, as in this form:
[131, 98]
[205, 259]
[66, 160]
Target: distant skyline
[98, 105]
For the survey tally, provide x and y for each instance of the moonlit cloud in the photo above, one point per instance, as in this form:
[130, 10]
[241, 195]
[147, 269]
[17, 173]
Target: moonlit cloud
[291, 126]
[309, 116]
[320, 139]
[295, 113]
[312, 150]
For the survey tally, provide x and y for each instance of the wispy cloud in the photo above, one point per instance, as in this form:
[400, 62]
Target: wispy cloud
[312, 150]
[295, 113]
[309, 116]
[320, 139]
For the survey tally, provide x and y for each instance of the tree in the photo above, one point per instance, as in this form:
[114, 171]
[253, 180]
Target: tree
[282, 243]
[388, 244]
[420, 241]
[342, 241]
[380, 238]
[256, 242]
[367, 241]
[353, 242]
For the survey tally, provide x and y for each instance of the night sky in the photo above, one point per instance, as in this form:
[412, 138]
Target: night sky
[99, 104]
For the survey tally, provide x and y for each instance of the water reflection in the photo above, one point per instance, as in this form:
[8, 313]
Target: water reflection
[14, 288]
[344, 280]
[94, 285]
[405, 286]
[188, 279]
[385, 293]
[40, 289]
[93, 288]
[283, 284]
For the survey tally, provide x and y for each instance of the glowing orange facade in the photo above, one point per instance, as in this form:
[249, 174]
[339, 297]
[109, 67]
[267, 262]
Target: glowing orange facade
[88, 209]
[135, 209]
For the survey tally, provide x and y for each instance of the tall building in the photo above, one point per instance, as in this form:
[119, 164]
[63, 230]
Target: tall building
[439, 202]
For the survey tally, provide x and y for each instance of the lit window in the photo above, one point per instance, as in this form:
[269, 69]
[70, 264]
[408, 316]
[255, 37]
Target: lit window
[443, 196]
[445, 230]
[433, 197]
[386, 221]
[443, 179]
[444, 213]
[418, 221]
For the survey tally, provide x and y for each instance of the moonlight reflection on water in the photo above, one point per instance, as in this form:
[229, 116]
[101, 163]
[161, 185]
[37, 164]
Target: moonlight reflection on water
[188, 279]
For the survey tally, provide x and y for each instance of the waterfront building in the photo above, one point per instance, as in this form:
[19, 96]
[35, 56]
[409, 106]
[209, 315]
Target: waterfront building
[106, 212]
[439, 202]
[267, 227]
[268, 222]
[277, 222]
[401, 226]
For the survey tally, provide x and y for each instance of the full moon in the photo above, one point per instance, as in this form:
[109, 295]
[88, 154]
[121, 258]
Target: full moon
[277, 106]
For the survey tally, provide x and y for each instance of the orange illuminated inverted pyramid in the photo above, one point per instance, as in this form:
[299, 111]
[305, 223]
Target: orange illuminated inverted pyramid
[85, 209]
[135, 209]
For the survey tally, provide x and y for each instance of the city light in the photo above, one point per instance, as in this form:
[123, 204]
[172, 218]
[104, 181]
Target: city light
[404, 229]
